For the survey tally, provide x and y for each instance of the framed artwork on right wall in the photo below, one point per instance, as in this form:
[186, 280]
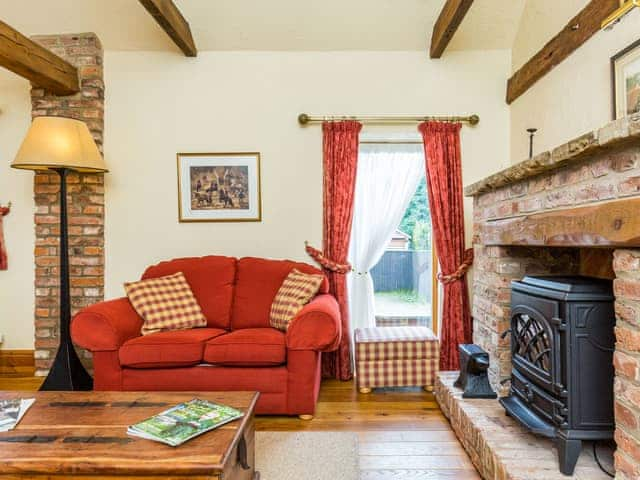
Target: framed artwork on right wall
[625, 70]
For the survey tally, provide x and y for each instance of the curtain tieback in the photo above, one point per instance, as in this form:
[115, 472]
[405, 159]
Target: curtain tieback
[325, 262]
[467, 261]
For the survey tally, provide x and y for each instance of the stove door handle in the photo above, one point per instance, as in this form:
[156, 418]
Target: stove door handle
[559, 323]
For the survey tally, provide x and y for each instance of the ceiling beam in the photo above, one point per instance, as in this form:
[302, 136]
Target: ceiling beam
[448, 22]
[579, 29]
[171, 20]
[32, 61]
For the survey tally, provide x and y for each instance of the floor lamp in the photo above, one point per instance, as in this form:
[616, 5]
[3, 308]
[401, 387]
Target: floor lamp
[62, 145]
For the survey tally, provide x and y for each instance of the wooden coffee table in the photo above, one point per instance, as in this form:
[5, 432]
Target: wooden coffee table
[82, 435]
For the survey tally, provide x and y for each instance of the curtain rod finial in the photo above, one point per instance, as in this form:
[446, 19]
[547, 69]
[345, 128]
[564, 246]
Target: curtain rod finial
[303, 119]
[474, 119]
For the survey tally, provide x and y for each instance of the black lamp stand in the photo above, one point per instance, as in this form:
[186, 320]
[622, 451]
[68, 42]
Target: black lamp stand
[67, 372]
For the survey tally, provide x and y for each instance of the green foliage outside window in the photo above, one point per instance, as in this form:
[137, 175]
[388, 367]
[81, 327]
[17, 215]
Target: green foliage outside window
[417, 219]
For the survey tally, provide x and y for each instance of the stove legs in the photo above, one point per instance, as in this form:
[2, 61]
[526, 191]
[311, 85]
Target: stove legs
[568, 453]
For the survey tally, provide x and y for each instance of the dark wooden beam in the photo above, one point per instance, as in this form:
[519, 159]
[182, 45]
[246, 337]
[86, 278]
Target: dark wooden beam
[32, 61]
[171, 20]
[579, 29]
[610, 224]
[448, 22]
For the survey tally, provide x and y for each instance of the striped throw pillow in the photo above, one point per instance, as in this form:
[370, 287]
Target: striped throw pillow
[165, 303]
[296, 291]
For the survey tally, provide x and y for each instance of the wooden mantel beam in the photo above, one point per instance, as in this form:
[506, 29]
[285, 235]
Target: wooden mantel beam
[609, 224]
[173, 22]
[579, 29]
[448, 22]
[32, 61]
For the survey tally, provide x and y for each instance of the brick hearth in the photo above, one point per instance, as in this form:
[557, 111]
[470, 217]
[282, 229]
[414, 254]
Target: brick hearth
[498, 446]
[546, 215]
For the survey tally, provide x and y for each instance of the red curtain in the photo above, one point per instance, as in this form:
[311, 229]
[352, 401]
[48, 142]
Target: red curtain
[444, 180]
[4, 264]
[340, 149]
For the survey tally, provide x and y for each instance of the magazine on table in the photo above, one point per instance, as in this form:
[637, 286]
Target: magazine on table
[184, 421]
[12, 411]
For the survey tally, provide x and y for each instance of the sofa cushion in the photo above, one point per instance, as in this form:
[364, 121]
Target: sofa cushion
[296, 291]
[177, 348]
[211, 279]
[249, 347]
[165, 303]
[257, 282]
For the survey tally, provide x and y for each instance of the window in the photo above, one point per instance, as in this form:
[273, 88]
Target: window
[392, 282]
[403, 277]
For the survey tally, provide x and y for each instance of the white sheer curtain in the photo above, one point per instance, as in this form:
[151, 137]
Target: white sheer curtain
[387, 178]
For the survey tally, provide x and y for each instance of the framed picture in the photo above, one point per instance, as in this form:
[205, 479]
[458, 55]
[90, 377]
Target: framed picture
[219, 187]
[625, 68]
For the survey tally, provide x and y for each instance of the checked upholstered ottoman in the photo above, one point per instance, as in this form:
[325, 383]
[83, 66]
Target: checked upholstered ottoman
[396, 357]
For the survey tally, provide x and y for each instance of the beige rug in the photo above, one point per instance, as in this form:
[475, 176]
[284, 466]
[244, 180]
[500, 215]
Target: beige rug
[307, 455]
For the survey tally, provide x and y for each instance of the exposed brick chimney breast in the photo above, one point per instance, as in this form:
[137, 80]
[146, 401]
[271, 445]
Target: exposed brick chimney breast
[86, 200]
[544, 215]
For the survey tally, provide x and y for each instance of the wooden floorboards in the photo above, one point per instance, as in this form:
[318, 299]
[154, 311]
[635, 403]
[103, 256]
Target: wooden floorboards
[402, 433]
[20, 383]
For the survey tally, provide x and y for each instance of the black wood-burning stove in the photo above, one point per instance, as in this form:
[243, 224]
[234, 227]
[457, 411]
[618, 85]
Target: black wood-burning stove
[562, 342]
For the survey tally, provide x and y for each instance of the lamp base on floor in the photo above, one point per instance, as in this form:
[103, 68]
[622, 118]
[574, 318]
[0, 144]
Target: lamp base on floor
[67, 372]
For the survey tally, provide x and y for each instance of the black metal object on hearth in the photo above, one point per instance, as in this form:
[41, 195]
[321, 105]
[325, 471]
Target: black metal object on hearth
[474, 377]
[562, 343]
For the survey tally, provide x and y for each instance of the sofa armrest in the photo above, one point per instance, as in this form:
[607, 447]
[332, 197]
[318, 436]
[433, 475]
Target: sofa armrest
[317, 326]
[105, 326]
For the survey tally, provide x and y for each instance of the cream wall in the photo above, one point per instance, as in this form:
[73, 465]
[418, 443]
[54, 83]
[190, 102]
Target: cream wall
[575, 97]
[158, 104]
[161, 103]
[16, 283]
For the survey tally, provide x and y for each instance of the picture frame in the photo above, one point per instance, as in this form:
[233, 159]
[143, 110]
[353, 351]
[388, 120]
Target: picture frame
[625, 74]
[219, 187]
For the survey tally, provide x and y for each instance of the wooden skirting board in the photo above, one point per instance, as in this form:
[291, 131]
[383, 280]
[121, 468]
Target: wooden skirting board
[17, 363]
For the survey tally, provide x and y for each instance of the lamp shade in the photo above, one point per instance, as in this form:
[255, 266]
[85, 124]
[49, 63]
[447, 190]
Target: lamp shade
[58, 142]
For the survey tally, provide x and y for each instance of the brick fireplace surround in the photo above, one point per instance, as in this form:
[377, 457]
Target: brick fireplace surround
[572, 210]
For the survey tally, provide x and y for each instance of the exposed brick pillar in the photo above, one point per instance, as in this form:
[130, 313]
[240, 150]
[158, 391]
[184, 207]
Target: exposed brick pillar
[627, 363]
[86, 200]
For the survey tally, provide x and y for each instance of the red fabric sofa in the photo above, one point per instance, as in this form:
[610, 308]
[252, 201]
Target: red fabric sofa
[238, 350]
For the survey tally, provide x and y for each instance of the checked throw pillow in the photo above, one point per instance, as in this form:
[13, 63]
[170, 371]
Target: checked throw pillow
[165, 303]
[296, 291]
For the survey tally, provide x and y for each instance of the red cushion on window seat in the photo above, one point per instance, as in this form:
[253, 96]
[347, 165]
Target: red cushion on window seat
[248, 347]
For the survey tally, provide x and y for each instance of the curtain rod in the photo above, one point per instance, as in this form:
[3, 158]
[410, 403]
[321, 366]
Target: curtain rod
[391, 142]
[305, 119]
